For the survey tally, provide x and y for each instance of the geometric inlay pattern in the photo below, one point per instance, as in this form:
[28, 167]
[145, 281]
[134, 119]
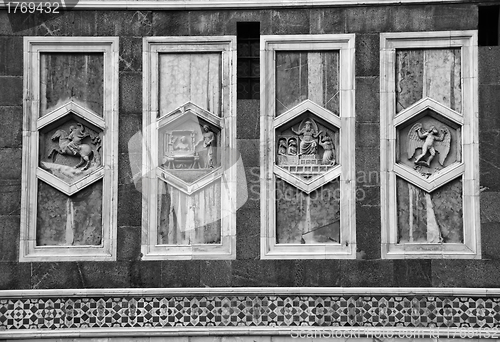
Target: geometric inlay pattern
[255, 310]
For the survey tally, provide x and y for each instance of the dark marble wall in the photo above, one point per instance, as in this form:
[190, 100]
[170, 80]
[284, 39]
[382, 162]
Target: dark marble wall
[247, 269]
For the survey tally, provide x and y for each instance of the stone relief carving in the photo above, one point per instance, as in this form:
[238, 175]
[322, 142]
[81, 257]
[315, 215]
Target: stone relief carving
[190, 149]
[77, 141]
[305, 150]
[429, 141]
[208, 140]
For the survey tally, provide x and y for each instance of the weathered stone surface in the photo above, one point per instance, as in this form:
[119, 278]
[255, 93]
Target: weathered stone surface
[490, 238]
[248, 119]
[10, 52]
[261, 16]
[489, 68]
[9, 238]
[66, 23]
[307, 218]
[125, 172]
[15, 276]
[455, 17]
[11, 125]
[250, 151]
[465, 273]
[447, 201]
[327, 20]
[12, 91]
[489, 159]
[367, 99]
[179, 226]
[171, 23]
[368, 165]
[207, 23]
[253, 273]
[128, 244]
[290, 21]
[69, 221]
[56, 275]
[130, 131]
[367, 134]
[129, 206]
[489, 207]
[367, 273]
[78, 77]
[184, 273]
[412, 273]
[104, 274]
[252, 185]
[368, 195]
[145, 274]
[433, 72]
[10, 197]
[489, 120]
[248, 234]
[367, 231]
[215, 273]
[289, 273]
[432, 218]
[367, 55]
[124, 23]
[321, 273]
[17, 24]
[130, 93]
[412, 18]
[368, 19]
[130, 54]
[10, 163]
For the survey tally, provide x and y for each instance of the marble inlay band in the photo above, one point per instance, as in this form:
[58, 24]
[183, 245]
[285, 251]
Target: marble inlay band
[230, 308]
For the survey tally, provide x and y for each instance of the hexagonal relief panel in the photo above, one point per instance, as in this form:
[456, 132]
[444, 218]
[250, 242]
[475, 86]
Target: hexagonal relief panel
[189, 141]
[70, 148]
[307, 146]
[428, 143]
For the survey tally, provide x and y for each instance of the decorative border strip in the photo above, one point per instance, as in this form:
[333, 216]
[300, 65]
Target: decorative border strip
[272, 311]
[232, 4]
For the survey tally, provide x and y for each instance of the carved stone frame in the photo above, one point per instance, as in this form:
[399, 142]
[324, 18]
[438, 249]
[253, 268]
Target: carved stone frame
[152, 47]
[344, 43]
[33, 47]
[468, 168]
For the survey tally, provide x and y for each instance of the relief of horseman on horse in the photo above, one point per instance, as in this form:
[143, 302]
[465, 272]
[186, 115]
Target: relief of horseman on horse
[72, 144]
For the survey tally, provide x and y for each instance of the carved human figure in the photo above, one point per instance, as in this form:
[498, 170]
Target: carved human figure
[76, 135]
[292, 147]
[182, 144]
[208, 139]
[282, 148]
[308, 143]
[329, 150]
[430, 141]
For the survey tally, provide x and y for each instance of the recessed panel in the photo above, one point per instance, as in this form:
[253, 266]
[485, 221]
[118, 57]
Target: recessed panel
[77, 77]
[190, 77]
[69, 220]
[307, 75]
[435, 217]
[307, 218]
[189, 219]
[434, 73]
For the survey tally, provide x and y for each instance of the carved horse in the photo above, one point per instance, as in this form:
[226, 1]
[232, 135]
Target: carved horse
[84, 150]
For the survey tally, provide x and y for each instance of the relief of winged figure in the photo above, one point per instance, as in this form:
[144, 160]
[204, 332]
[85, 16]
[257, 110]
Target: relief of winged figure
[429, 141]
